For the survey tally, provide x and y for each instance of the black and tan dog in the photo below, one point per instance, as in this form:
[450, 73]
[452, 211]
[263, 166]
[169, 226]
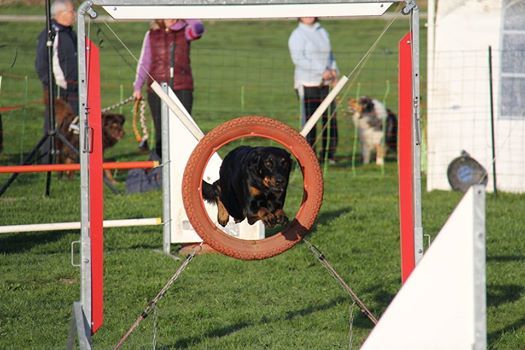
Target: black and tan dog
[68, 125]
[252, 184]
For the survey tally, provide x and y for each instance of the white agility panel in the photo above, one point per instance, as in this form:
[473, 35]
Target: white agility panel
[260, 10]
[181, 144]
[442, 305]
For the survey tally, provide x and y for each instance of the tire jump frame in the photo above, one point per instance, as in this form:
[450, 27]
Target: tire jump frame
[88, 312]
[253, 126]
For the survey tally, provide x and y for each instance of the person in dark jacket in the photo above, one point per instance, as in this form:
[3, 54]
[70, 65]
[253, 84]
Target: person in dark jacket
[167, 45]
[64, 60]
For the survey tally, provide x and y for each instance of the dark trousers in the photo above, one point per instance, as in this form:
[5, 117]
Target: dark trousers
[313, 96]
[185, 96]
[68, 95]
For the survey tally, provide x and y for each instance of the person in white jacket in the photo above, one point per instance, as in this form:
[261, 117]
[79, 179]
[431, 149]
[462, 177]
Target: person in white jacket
[315, 71]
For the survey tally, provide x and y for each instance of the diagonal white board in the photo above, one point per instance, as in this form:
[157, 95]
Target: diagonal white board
[442, 305]
[181, 144]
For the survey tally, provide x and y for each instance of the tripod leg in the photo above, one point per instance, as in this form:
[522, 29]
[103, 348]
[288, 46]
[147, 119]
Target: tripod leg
[50, 160]
[66, 142]
[108, 183]
[26, 161]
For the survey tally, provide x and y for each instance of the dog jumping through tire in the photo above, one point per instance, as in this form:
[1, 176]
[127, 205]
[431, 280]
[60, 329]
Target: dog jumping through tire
[252, 185]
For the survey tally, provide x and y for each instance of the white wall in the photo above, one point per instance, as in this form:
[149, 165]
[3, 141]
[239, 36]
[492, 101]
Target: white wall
[459, 99]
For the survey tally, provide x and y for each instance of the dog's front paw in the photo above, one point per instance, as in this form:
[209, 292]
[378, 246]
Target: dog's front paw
[223, 216]
[223, 223]
[281, 217]
[269, 220]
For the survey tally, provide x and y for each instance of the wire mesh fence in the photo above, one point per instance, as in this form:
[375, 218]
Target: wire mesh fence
[229, 82]
[476, 105]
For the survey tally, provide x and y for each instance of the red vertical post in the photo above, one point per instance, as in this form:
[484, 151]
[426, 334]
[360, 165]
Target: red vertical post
[405, 159]
[96, 209]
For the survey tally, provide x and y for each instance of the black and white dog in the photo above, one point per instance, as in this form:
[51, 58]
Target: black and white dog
[377, 128]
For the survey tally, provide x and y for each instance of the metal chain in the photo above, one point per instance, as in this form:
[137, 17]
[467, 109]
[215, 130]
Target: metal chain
[320, 256]
[140, 108]
[74, 125]
[152, 304]
[116, 105]
[145, 134]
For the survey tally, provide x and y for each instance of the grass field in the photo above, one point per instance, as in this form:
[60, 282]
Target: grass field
[287, 302]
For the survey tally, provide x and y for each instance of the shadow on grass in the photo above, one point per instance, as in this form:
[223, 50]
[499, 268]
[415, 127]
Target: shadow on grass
[506, 258]
[327, 216]
[22, 242]
[493, 337]
[322, 218]
[502, 294]
[381, 297]
[360, 321]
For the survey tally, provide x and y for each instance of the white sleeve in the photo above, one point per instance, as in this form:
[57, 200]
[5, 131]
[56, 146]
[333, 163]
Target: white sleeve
[60, 78]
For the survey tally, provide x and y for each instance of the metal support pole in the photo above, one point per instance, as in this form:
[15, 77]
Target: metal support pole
[491, 90]
[50, 95]
[82, 309]
[417, 137]
[166, 161]
[85, 269]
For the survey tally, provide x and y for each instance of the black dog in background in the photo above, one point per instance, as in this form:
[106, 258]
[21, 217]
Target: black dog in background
[252, 185]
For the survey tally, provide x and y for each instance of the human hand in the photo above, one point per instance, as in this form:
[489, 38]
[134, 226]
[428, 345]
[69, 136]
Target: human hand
[334, 79]
[137, 94]
[327, 75]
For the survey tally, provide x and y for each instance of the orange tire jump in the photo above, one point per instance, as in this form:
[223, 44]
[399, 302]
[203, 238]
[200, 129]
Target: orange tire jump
[252, 126]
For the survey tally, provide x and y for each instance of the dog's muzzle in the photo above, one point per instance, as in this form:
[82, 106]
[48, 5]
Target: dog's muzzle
[279, 184]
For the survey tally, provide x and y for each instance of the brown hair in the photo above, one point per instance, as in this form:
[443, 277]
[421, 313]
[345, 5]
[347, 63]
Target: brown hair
[157, 24]
[316, 19]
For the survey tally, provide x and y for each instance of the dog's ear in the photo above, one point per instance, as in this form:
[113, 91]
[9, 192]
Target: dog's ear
[109, 118]
[366, 103]
[120, 119]
[354, 105]
[106, 118]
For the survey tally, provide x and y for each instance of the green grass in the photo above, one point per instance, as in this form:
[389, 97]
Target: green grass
[287, 302]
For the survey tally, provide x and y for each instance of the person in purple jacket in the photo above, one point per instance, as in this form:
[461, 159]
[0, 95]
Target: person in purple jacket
[165, 57]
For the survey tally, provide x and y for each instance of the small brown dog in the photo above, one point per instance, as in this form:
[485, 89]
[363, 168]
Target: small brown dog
[68, 125]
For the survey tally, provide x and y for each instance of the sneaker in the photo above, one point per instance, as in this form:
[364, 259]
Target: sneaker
[331, 161]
